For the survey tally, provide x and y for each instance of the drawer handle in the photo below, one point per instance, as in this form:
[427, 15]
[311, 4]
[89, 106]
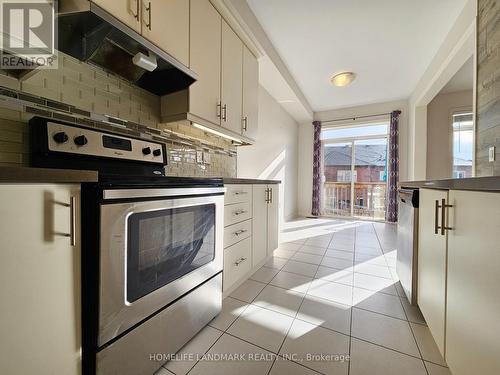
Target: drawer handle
[239, 261]
[240, 212]
[240, 192]
[241, 231]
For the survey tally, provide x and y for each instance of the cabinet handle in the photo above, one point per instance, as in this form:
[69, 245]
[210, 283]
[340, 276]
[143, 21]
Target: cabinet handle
[240, 192]
[240, 212]
[245, 122]
[444, 206]
[219, 105]
[241, 231]
[239, 261]
[224, 112]
[436, 216]
[267, 195]
[72, 221]
[136, 15]
[270, 195]
[148, 9]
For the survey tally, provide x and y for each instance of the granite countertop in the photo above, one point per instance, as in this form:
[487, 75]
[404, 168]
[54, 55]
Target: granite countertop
[45, 175]
[253, 181]
[472, 183]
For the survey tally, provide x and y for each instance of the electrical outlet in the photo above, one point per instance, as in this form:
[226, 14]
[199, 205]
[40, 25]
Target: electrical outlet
[491, 153]
[199, 157]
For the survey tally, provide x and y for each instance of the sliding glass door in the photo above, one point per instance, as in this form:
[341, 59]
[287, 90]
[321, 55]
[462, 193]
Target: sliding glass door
[355, 173]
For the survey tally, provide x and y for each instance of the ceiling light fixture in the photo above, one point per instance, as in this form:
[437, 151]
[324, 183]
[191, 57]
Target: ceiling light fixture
[342, 79]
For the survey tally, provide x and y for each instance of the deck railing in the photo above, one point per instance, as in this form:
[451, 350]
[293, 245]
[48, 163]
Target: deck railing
[369, 199]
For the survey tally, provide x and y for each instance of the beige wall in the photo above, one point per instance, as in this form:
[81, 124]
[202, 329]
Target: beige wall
[275, 154]
[439, 131]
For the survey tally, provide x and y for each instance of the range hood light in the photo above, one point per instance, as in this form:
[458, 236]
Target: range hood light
[210, 130]
[145, 62]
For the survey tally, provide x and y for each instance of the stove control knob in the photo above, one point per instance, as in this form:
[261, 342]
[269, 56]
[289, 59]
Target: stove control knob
[81, 140]
[157, 152]
[146, 150]
[60, 137]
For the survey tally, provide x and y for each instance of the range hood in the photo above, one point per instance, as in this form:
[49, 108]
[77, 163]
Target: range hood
[90, 34]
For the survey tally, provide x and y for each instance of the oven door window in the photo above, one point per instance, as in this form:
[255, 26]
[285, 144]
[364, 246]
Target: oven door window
[166, 245]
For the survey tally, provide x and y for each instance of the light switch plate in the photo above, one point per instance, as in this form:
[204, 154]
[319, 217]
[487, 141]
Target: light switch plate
[491, 153]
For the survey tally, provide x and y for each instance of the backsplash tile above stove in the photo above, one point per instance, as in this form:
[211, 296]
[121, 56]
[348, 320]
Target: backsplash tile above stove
[77, 91]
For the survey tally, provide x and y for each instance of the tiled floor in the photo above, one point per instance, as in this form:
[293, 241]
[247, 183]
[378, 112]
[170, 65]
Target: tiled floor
[328, 302]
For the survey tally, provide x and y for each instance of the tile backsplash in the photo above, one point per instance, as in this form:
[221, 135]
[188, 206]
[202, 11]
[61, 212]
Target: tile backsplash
[90, 91]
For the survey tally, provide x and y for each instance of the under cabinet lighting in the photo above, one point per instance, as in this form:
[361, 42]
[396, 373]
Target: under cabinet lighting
[210, 130]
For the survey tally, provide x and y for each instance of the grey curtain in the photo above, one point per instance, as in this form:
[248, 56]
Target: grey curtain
[316, 193]
[391, 211]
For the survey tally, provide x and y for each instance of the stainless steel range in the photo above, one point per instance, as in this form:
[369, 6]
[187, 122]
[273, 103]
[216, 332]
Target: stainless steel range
[151, 247]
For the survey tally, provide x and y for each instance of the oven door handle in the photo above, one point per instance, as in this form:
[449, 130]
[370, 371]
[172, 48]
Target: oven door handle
[110, 194]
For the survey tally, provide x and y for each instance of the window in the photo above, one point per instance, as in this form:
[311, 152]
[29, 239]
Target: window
[463, 141]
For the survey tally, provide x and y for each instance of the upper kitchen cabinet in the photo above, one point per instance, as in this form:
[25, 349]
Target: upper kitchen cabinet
[163, 23]
[166, 24]
[205, 48]
[127, 11]
[232, 79]
[250, 107]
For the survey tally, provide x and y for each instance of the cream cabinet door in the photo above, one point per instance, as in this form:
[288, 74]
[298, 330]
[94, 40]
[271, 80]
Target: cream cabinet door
[39, 281]
[259, 230]
[165, 23]
[273, 219]
[473, 302]
[250, 107]
[232, 79]
[127, 11]
[205, 60]
[432, 248]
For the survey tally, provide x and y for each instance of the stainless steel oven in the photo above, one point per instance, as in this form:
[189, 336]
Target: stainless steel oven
[155, 246]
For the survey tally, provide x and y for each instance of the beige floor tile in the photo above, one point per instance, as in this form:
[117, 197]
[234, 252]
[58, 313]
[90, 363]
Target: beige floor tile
[378, 302]
[375, 259]
[369, 359]
[373, 270]
[264, 274]
[342, 244]
[374, 283]
[337, 263]
[307, 258]
[292, 281]
[347, 255]
[305, 269]
[325, 313]
[383, 330]
[262, 327]
[434, 369]
[413, 313]
[284, 367]
[193, 351]
[276, 263]
[163, 371]
[289, 246]
[246, 364]
[231, 309]
[426, 344]
[248, 290]
[286, 254]
[312, 250]
[335, 292]
[335, 275]
[367, 249]
[305, 338]
[321, 241]
[280, 300]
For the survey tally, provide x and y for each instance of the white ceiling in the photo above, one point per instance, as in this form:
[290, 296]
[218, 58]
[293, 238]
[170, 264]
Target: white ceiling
[388, 43]
[462, 80]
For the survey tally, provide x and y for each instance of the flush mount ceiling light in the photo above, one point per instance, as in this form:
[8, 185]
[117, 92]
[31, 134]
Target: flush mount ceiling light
[342, 79]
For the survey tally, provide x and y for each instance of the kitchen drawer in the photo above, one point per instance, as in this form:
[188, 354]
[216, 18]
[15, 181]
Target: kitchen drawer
[238, 194]
[237, 232]
[237, 262]
[235, 213]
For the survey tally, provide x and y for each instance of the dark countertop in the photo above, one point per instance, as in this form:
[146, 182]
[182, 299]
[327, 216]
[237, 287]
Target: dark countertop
[45, 175]
[472, 183]
[253, 181]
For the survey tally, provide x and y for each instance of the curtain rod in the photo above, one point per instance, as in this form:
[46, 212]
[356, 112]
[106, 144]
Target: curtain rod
[354, 118]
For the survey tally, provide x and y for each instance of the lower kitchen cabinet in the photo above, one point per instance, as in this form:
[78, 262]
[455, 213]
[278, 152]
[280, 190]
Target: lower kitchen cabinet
[473, 302]
[251, 230]
[40, 279]
[458, 277]
[432, 252]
